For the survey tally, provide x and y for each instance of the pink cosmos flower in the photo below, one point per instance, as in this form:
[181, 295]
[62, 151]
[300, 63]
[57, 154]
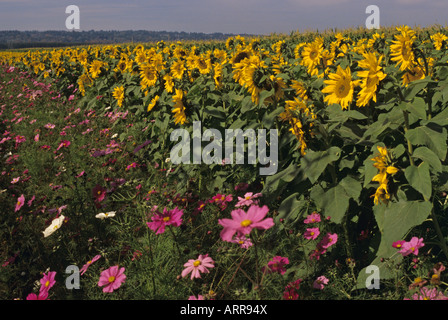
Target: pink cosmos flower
[63, 144]
[249, 199]
[199, 297]
[243, 222]
[428, 294]
[243, 241]
[221, 200]
[80, 174]
[198, 266]
[20, 139]
[87, 265]
[412, 246]
[36, 138]
[291, 289]
[311, 233]
[5, 139]
[200, 207]
[20, 203]
[320, 283]
[49, 126]
[43, 295]
[329, 240]
[168, 217]
[30, 202]
[398, 244]
[312, 218]
[99, 193]
[277, 264]
[47, 281]
[112, 278]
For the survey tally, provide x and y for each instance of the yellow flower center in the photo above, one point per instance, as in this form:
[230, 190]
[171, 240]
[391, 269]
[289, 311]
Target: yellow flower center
[166, 219]
[196, 263]
[47, 283]
[246, 223]
[111, 279]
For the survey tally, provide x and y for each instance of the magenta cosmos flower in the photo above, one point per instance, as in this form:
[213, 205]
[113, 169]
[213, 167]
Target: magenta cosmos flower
[43, 295]
[47, 281]
[221, 200]
[248, 199]
[167, 218]
[328, 240]
[20, 203]
[311, 233]
[198, 266]
[291, 290]
[312, 218]
[412, 246]
[87, 265]
[112, 278]
[243, 223]
[277, 264]
[99, 193]
[320, 283]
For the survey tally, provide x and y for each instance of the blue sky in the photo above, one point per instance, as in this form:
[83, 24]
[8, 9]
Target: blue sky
[226, 16]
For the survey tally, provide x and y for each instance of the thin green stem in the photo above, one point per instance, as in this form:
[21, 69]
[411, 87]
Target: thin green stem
[439, 233]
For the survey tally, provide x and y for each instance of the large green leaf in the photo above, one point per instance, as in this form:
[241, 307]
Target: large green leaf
[420, 179]
[394, 222]
[335, 201]
[314, 162]
[428, 156]
[433, 139]
[417, 107]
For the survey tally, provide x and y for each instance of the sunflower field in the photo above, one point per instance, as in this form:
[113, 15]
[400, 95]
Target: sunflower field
[361, 182]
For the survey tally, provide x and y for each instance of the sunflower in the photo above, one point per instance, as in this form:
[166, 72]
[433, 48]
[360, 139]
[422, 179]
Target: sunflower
[153, 103]
[179, 107]
[140, 57]
[148, 76]
[370, 78]
[84, 80]
[178, 69]
[249, 73]
[217, 75]
[169, 84]
[121, 66]
[294, 109]
[383, 163]
[299, 89]
[95, 68]
[339, 87]
[439, 40]
[401, 50]
[312, 54]
[118, 94]
[417, 71]
[203, 64]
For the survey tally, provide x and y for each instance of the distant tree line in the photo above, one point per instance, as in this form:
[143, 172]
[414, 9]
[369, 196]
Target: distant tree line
[31, 39]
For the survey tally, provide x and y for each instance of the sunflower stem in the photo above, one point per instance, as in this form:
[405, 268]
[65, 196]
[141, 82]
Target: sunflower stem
[410, 150]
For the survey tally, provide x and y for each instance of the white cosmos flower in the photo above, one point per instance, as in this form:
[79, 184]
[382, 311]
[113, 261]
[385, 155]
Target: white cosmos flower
[55, 225]
[102, 215]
